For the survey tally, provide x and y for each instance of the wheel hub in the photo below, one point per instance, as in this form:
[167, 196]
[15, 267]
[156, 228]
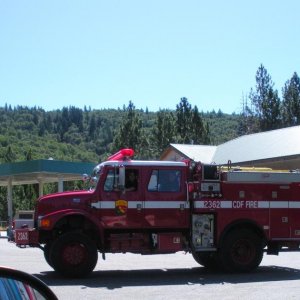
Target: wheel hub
[74, 254]
[243, 251]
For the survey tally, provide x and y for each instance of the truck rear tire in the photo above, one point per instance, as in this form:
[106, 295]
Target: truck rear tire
[73, 255]
[241, 251]
[208, 260]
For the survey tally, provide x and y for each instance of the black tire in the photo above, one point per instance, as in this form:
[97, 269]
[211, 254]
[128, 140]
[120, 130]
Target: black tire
[74, 255]
[208, 260]
[47, 249]
[241, 251]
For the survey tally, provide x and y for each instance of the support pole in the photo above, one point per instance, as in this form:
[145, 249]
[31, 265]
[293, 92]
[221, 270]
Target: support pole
[60, 185]
[9, 206]
[41, 188]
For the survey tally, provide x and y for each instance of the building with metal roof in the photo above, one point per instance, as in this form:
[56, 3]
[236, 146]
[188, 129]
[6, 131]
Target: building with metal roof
[195, 152]
[277, 149]
[40, 171]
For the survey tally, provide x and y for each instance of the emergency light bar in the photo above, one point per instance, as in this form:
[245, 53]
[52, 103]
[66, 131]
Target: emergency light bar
[123, 154]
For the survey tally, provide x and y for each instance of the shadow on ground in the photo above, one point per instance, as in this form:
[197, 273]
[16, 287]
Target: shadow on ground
[158, 277]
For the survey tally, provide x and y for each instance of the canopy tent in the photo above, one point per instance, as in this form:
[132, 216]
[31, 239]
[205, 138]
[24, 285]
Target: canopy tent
[40, 172]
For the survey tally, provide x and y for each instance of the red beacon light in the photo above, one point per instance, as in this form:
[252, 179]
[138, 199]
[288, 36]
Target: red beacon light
[123, 154]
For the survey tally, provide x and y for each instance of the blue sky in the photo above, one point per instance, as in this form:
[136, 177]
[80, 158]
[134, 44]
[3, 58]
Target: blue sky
[104, 54]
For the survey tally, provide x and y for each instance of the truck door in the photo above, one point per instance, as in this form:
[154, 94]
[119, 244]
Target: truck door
[294, 210]
[120, 208]
[165, 203]
[279, 212]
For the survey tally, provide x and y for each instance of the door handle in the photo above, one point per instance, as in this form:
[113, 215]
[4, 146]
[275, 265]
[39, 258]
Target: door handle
[139, 206]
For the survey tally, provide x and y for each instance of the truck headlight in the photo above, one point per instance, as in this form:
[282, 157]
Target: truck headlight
[43, 222]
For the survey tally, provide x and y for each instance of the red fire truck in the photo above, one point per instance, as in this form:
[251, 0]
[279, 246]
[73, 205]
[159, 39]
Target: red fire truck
[226, 217]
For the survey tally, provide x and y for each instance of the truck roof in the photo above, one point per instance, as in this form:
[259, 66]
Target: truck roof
[144, 163]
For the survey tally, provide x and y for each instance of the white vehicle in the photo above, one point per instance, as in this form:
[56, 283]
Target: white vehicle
[23, 219]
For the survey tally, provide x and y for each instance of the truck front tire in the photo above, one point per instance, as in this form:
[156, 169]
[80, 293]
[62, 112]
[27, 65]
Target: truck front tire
[241, 251]
[73, 255]
[47, 249]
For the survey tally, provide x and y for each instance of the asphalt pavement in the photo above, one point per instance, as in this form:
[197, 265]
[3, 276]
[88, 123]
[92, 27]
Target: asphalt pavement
[171, 276]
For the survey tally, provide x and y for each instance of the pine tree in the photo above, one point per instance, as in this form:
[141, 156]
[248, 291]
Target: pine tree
[265, 101]
[130, 131]
[198, 134]
[9, 156]
[184, 116]
[291, 101]
[163, 131]
[190, 126]
[271, 112]
[92, 126]
[248, 123]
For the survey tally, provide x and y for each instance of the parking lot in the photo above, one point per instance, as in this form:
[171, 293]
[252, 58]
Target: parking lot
[174, 276]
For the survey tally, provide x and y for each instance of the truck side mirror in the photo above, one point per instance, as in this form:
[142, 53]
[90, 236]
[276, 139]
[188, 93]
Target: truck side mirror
[121, 183]
[20, 285]
[85, 177]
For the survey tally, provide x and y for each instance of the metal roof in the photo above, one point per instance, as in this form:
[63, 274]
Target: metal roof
[259, 146]
[281, 148]
[201, 153]
[36, 171]
[134, 163]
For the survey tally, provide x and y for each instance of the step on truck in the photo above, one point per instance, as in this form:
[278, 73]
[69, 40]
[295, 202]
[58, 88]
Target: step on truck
[226, 217]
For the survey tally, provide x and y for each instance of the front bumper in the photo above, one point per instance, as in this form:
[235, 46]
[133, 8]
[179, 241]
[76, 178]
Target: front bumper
[26, 237]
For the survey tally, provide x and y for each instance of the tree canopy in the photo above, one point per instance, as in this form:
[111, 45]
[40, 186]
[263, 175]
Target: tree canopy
[91, 135]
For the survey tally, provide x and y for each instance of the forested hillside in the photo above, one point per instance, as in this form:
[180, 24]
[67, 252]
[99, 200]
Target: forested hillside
[90, 135]
[73, 134]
